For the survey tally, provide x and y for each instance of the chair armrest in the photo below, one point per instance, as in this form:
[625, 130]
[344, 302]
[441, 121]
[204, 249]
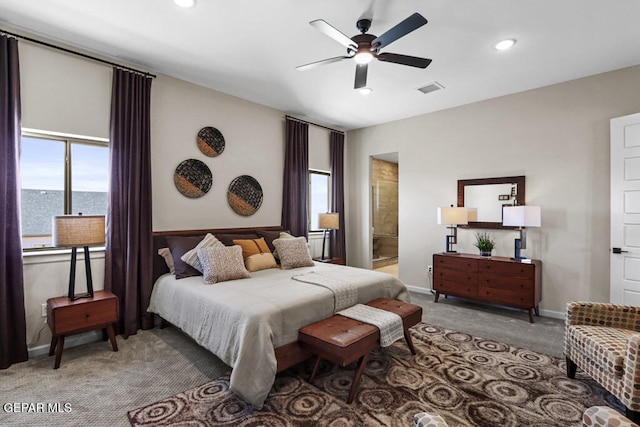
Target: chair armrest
[605, 416]
[603, 314]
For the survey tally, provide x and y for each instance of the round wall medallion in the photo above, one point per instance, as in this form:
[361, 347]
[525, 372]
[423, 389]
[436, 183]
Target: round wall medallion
[245, 195]
[193, 178]
[210, 141]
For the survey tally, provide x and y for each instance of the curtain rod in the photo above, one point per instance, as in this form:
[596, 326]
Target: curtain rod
[311, 123]
[93, 58]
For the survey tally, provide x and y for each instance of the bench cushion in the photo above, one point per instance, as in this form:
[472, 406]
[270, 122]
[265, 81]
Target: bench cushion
[340, 339]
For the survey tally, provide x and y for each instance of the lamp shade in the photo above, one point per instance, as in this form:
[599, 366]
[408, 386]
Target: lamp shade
[521, 216]
[78, 230]
[329, 220]
[452, 216]
[472, 214]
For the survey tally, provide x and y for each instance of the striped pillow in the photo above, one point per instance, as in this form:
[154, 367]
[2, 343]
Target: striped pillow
[191, 257]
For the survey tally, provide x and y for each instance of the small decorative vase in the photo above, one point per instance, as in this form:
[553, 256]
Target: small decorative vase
[485, 253]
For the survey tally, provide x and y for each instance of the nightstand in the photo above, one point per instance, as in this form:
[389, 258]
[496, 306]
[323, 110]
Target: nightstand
[339, 261]
[66, 317]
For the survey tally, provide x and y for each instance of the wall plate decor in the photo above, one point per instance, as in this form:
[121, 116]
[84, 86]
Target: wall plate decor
[245, 195]
[210, 141]
[193, 178]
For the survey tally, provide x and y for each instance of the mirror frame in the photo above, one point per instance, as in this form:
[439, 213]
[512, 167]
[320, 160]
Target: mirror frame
[520, 197]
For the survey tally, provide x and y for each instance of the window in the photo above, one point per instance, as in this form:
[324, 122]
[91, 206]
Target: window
[319, 183]
[60, 175]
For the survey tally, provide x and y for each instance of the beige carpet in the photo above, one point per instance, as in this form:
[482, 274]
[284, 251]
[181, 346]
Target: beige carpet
[99, 386]
[470, 381]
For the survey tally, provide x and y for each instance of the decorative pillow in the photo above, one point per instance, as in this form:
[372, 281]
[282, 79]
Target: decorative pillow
[222, 263]
[191, 257]
[256, 254]
[228, 239]
[179, 245]
[165, 253]
[293, 252]
[282, 235]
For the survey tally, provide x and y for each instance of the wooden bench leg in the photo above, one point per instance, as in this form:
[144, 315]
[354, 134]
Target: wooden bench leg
[407, 338]
[356, 377]
[315, 369]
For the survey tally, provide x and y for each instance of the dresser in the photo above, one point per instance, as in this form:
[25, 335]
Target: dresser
[495, 280]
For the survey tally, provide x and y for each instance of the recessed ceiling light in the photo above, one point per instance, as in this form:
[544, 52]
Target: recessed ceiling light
[365, 90]
[504, 44]
[185, 3]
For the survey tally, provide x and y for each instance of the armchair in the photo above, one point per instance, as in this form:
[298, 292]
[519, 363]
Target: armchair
[604, 341]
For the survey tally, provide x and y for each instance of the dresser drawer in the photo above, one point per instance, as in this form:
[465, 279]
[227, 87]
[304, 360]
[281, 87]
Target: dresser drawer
[447, 287]
[85, 315]
[454, 262]
[520, 284]
[458, 276]
[513, 298]
[511, 269]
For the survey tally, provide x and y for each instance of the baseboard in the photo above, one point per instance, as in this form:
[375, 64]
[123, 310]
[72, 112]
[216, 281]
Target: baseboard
[543, 312]
[69, 342]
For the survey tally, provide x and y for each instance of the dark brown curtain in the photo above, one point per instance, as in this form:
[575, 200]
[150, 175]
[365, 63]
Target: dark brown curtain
[337, 247]
[128, 258]
[296, 178]
[13, 326]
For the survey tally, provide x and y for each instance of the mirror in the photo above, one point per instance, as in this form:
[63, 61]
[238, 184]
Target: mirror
[488, 196]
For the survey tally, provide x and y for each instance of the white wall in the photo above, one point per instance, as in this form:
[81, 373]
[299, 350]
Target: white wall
[557, 136]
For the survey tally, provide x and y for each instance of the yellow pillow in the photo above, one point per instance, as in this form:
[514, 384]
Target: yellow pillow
[256, 254]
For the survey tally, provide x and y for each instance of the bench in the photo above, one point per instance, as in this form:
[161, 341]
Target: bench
[343, 340]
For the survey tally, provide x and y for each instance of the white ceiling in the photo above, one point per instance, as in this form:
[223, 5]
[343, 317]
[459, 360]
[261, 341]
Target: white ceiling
[250, 48]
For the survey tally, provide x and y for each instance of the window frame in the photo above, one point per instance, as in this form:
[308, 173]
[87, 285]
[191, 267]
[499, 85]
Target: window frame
[328, 175]
[69, 140]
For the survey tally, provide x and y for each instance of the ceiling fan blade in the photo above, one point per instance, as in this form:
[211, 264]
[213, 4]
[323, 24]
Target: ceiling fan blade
[413, 22]
[323, 62]
[361, 76]
[412, 61]
[332, 32]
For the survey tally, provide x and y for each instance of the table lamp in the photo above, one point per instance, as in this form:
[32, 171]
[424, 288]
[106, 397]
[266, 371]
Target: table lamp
[521, 217]
[452, 217]
[79, 231]
[328, 221]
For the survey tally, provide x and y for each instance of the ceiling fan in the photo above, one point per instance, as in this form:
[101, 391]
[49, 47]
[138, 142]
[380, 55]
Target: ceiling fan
[364, 47]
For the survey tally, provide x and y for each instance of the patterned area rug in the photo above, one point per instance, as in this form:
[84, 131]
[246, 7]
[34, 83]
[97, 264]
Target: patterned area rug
[469, 381]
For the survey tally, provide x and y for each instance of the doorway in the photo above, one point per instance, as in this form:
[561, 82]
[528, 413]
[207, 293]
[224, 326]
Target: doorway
[384, 212]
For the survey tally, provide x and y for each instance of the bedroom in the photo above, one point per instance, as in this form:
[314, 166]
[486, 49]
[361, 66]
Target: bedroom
[558, 136]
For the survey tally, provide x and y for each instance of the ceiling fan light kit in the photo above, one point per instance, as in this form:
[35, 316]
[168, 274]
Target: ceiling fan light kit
[363, 48]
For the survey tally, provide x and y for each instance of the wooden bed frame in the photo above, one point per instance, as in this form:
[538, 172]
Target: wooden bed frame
[287, 355]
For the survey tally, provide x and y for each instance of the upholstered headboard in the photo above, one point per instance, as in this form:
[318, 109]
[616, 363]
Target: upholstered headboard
[160, 241]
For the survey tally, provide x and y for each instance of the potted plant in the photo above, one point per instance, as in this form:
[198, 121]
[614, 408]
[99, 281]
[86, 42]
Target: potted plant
[484, 243]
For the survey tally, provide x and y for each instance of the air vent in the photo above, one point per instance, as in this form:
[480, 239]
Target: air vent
[431, 87]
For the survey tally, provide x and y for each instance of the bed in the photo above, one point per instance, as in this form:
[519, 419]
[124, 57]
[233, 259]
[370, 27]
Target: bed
[252, 324]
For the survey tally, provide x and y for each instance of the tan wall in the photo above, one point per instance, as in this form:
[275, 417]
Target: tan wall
[557, 136]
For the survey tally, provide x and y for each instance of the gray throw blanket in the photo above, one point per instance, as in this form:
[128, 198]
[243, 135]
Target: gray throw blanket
[345, 294]
[390, 324]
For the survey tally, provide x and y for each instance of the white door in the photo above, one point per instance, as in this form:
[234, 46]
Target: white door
[625, 210]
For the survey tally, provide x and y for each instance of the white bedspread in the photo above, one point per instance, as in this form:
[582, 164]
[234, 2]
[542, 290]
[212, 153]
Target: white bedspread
[244, 321]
